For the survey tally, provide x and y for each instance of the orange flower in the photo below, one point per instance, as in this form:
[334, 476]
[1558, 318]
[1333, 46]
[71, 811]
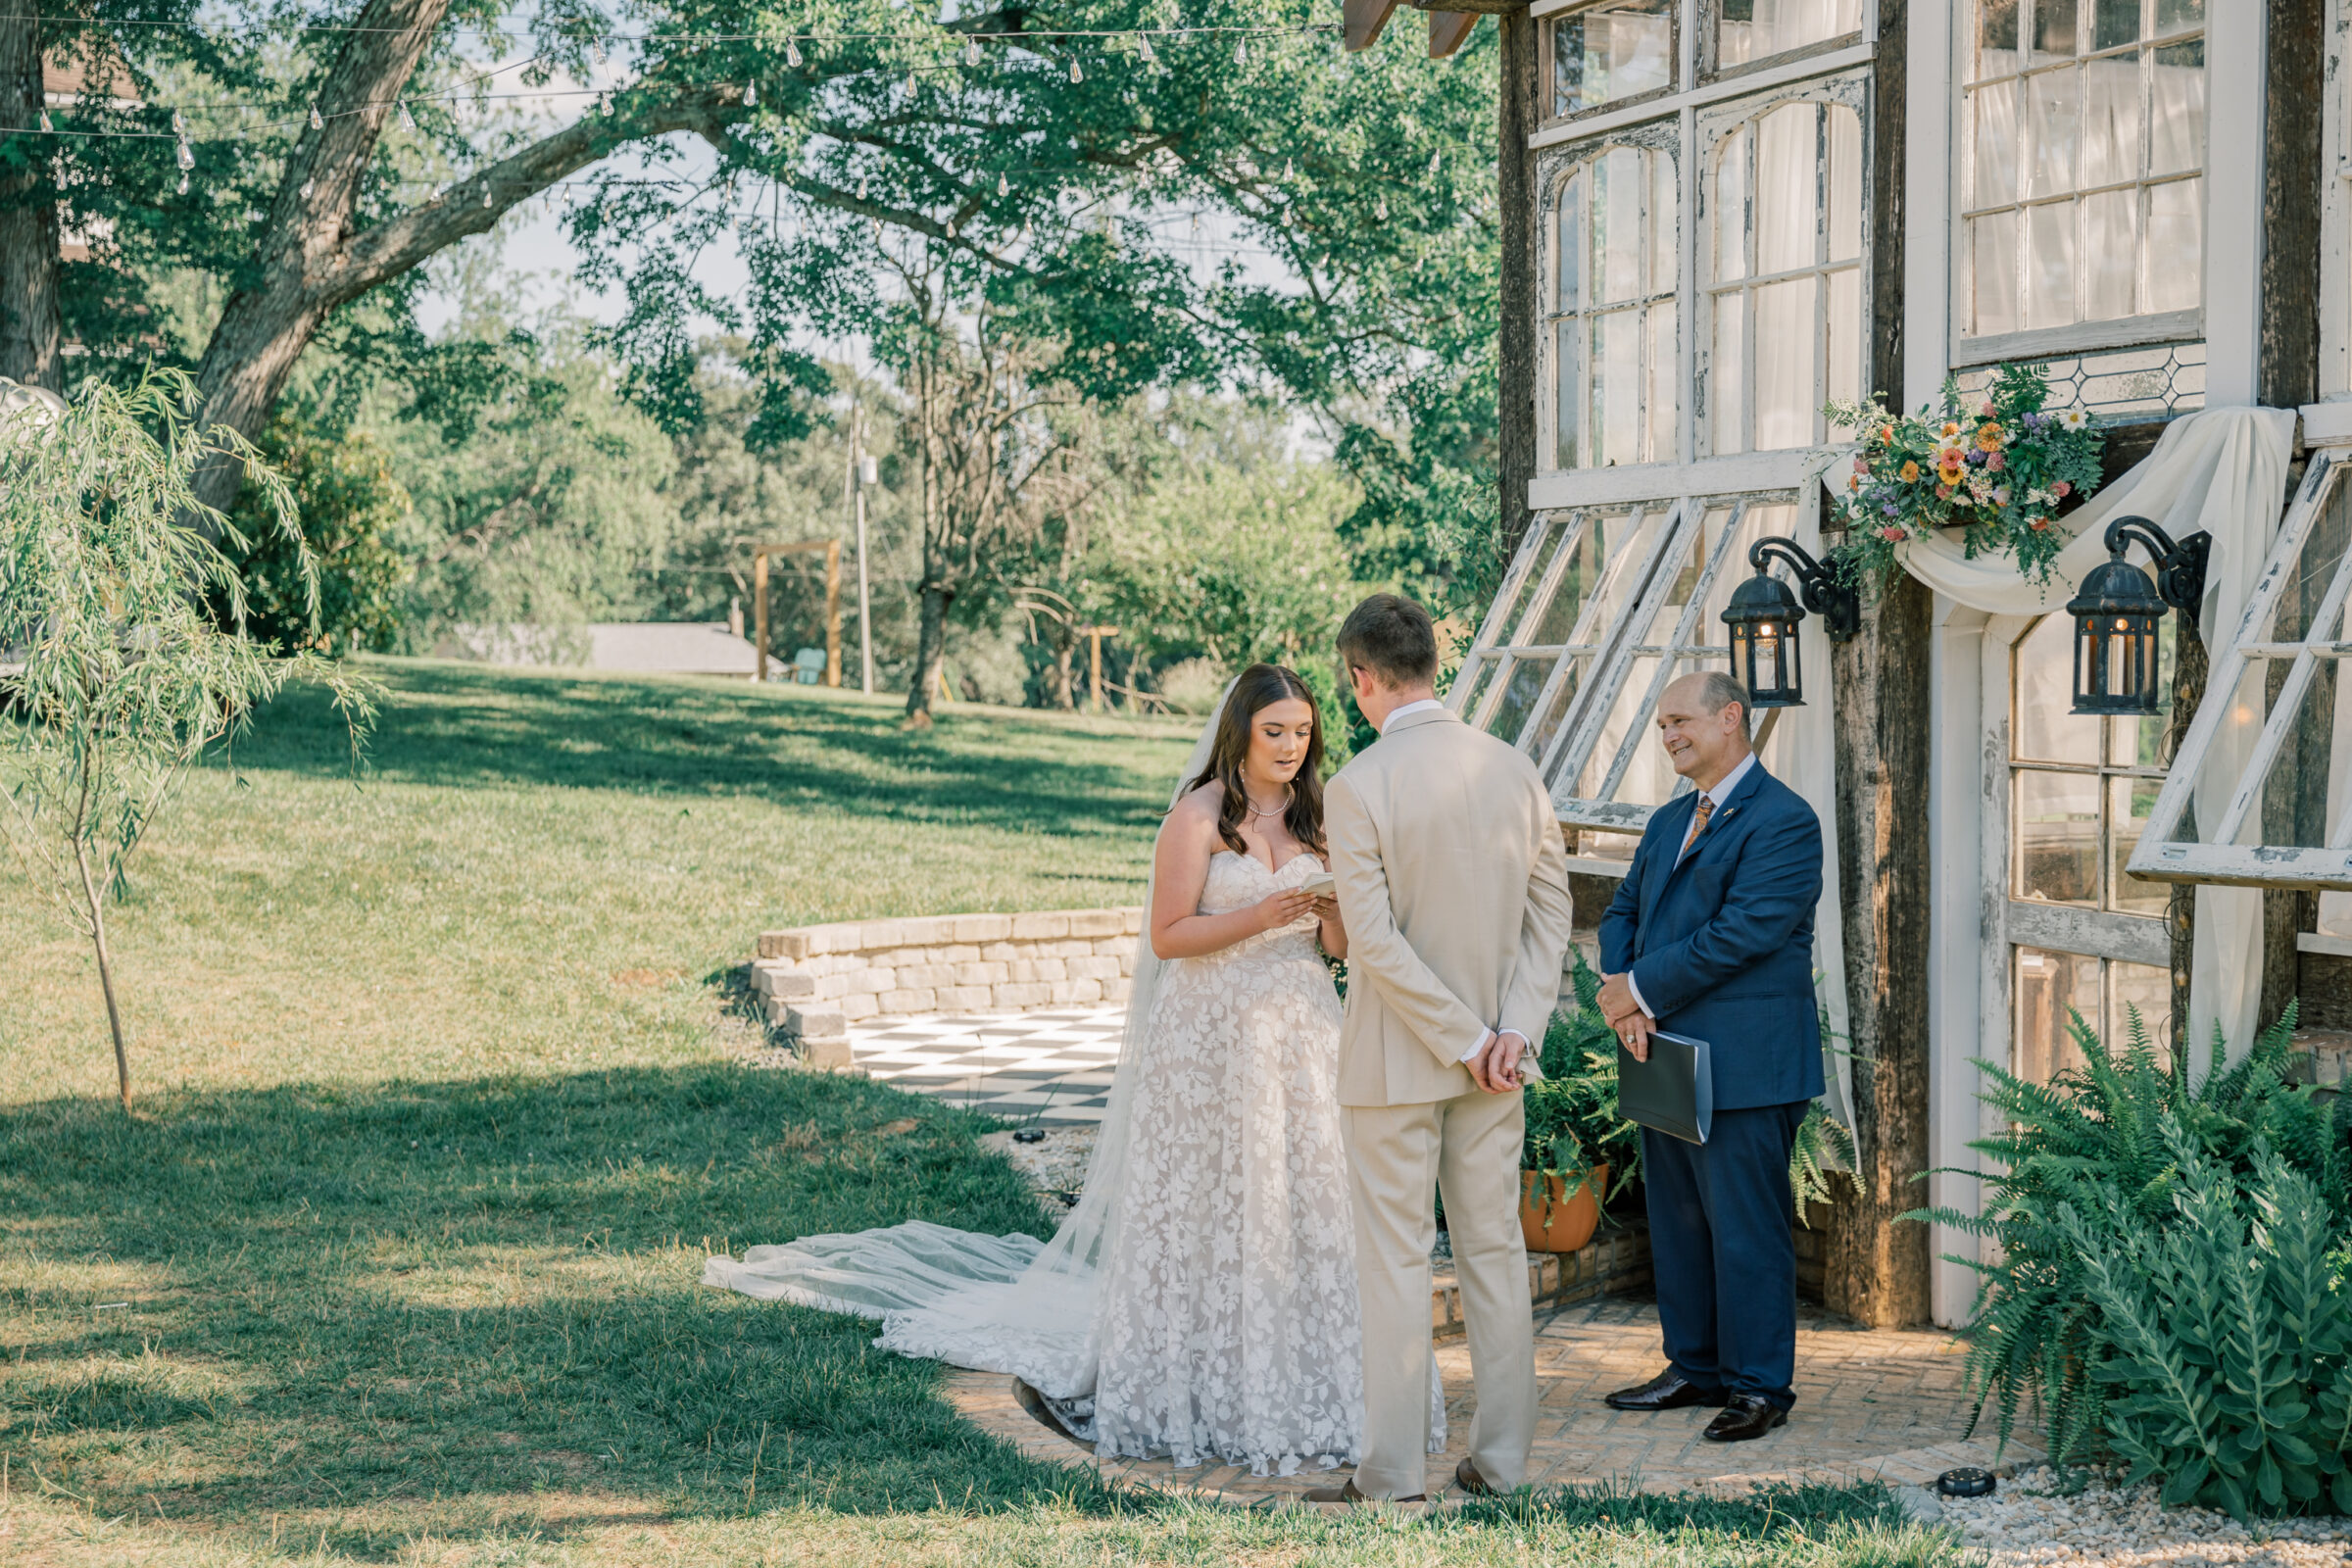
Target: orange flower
[1988, 436]
[1910, 472]
[1886, 433]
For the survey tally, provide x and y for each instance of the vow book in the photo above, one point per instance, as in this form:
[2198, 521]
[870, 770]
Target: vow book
[1673, 1091]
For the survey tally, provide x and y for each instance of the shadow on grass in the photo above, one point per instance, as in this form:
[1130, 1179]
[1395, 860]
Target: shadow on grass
[356, 1299]
[458, 724]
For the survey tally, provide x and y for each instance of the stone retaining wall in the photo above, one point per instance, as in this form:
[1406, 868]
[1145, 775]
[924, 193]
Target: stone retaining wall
[1608, 1266]
[818, 980]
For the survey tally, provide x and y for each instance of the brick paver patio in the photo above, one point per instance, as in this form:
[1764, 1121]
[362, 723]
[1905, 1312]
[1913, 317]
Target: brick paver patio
[1870, 1404]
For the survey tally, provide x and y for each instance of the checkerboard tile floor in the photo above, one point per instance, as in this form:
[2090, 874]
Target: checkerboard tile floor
[1053, 1068]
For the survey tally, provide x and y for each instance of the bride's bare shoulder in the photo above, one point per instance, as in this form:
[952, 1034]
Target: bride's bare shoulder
[1195, 813]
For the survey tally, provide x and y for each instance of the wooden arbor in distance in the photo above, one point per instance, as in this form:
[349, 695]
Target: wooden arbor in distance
[831, 550]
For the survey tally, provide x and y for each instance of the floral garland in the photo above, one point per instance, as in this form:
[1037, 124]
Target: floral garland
[1999, 470]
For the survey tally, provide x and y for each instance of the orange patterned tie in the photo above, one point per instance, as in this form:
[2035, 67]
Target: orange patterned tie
[1698, 823]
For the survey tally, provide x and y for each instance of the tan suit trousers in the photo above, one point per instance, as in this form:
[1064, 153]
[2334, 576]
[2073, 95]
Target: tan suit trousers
[1468, 1148]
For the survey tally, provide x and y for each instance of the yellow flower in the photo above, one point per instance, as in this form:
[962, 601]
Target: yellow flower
[1910, 472]
[1988, 436]
[1950, 431]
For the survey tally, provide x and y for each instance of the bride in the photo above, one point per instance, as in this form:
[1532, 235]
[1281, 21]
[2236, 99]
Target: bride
[1199, 1303]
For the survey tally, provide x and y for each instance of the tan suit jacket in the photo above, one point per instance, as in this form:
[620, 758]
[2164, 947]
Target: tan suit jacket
[1454, 889]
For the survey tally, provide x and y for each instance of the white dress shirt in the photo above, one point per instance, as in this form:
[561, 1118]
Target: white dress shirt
[1713, 798]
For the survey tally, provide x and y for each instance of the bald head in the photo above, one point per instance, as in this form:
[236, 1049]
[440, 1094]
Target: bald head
[1702, 721]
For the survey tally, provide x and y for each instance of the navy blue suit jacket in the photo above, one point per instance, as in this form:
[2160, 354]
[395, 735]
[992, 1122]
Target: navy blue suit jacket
[1721, 946]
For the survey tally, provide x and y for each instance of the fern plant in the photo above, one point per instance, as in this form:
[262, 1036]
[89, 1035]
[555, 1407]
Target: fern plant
[2096, 1139]
[2225, 1338]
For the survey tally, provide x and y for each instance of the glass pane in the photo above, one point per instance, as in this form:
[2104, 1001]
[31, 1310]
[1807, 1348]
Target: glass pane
[1542, 543]
[1844, 380]
[2139, 742]
[2144, 989]
[1757, 29]
[1546, 725]
[1618, 181]
[2053, 29]
[1731, 208]
[2114, 24]
[1665, 255]
[2055, 826]
[1571, 247]
[1649, 777]
[2294, 613]
[1754, 524]
[2111, 249]
[2172, 16]
[1845, 184]
[2293, 808]
[1785, 397]
[2177, 245]
[1727, 372]
[1522, 686]
[2051, 987]
[2053, 129]
[1480, 680]
[1567, 449]
[1664, 381]
[2042, 729]
[1993, 273]
[1997, 38]
[1558, 623]
[1617, 387]
[2111, 121]
[2176, 109]
[1993, 171]
[1611, 51]
[2050, 264]
[1785, 207]
[2128, 803]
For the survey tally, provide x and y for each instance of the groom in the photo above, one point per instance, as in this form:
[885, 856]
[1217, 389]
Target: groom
[1455, 890]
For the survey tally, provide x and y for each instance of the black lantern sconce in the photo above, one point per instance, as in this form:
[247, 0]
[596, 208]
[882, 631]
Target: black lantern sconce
[1763, 615]
[2118, 611]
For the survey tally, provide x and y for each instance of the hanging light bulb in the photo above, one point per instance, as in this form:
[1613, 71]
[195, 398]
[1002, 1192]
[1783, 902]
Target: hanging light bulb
[183, 184]
[971, 51]
[596, 50]
[45, 125]
[751, 95]
[1075, 73]
[1287, 169]
[1380, 209]
[485, 193]
[308, 186]
[1143, 47]
[407, 122]
[316, 124]
[179, 124]
[1004, 186]
[186, 155]
[792, 52]
[1432, 166]
[1241, 52]
[603, 105]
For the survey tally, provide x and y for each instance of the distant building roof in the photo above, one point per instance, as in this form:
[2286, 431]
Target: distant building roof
[643, 648]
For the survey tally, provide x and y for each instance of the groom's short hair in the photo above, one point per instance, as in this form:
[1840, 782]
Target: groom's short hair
[1390, 636]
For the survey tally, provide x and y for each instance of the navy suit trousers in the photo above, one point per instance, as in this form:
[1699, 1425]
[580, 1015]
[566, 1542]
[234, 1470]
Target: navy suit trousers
[1722, 1253]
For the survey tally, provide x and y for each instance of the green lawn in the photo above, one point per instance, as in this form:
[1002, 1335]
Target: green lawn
[440, 1102]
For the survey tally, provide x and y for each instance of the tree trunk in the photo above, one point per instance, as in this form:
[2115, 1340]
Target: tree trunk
[930, 650]
[2181, 907]
[1065, 698]
[1877, 1268]
[1515, 351]
[106, 970]
[32, 339]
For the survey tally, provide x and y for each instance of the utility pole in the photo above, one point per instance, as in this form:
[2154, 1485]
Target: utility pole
[862, 473]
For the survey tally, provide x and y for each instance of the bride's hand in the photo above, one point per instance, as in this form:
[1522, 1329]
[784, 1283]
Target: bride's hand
[1278, 909]
[1326, 910]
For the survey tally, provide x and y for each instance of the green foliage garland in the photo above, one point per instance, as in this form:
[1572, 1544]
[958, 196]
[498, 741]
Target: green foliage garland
[1996, 465]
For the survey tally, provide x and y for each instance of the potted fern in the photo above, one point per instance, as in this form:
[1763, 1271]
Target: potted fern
[1575, 1139]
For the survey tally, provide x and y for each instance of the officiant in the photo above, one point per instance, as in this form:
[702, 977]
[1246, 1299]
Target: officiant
[1710, 937]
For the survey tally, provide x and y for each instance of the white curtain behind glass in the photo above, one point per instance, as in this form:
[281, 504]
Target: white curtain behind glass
[1613, 311]
[1756, 29]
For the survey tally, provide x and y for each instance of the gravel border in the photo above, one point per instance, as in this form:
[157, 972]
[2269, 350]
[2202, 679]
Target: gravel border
[2026, 1524]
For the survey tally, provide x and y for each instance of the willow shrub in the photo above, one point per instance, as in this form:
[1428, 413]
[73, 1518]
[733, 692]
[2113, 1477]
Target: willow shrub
[2166, 1250]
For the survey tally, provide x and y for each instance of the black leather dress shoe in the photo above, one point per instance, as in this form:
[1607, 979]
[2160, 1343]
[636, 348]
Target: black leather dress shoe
[1746, 1416]
[1668, 1391]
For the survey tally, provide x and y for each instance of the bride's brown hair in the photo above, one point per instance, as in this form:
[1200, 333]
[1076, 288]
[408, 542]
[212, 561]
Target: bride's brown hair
[1258, 688]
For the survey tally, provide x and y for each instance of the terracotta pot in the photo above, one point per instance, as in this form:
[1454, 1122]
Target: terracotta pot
[1552, 1224]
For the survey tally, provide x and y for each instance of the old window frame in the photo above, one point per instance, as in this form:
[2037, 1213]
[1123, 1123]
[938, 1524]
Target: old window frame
[2216, 855]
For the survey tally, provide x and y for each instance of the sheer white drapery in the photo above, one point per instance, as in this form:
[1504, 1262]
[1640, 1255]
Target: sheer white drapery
[2223, 471]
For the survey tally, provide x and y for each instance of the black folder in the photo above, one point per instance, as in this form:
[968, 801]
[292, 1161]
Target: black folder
[1673, 1091]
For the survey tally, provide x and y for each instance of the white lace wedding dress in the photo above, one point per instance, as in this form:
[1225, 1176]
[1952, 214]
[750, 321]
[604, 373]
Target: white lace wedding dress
[1227, 1321]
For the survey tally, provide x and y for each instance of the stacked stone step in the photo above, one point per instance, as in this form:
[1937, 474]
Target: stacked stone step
[818, 980]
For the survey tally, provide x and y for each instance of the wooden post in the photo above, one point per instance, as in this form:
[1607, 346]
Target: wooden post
[833, 613]
[760, 613]
[1878, 1270]
[1515, 348]
[1094, 658]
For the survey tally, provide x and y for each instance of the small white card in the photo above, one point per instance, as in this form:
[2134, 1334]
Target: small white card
[1323, 885]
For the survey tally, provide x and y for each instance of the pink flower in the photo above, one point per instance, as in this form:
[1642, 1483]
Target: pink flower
[1944, 492]
[1996, 462]
[2062, 489]
[1892, 534]
[1861, 465]
[1987, 411]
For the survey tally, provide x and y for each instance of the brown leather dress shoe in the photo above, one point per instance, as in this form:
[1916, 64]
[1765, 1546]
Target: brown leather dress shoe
[1747, 1416]
[1466, 1477]
[1346, 1496]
